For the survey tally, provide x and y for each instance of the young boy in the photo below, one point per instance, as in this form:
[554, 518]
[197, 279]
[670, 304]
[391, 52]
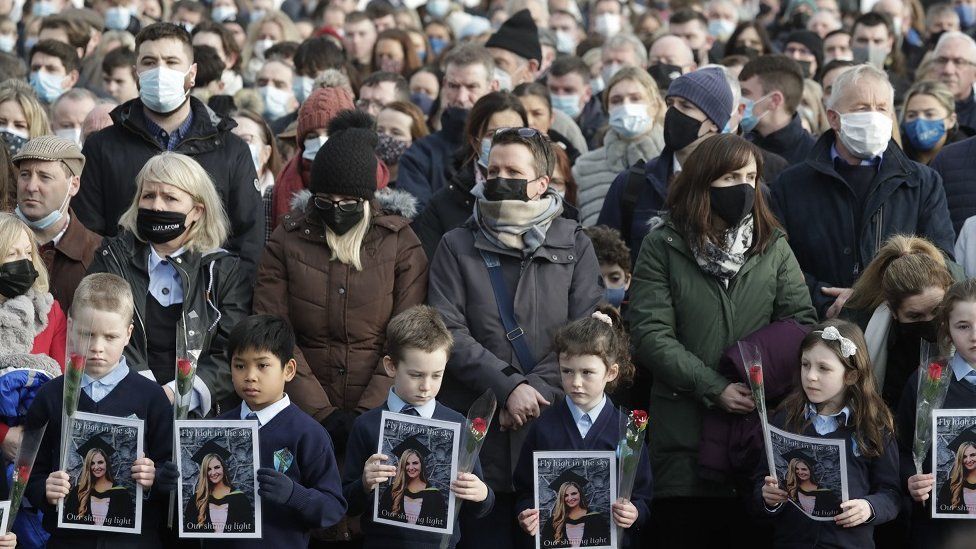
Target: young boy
[298, 480]
[614, 258]
[101, 314]
[419, 344]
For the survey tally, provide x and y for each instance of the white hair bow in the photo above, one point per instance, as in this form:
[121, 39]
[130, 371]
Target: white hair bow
[847, 347]
[603, 317]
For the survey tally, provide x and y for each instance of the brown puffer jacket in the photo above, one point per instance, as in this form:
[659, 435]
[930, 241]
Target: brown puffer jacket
[339, 314]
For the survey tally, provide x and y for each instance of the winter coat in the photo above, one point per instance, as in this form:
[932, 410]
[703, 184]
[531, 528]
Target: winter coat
[116, 154]
[69, 262]
[818, 210]
[216, 289]
[595, 171]
[791, 142]
[558, 283]
[681, 320]
[340, 314]
[568, 128]
[425, 167]
[954, 164]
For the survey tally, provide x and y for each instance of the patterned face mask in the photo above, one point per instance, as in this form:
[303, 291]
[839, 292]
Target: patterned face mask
[390, 149]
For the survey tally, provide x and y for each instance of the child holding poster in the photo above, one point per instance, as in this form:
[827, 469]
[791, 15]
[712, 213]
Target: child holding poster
[837, 400]
[104, 303]
[593, 359]
[957, 322]
[418, 345]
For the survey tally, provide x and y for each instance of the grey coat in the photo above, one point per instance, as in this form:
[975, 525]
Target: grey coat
[558, 283]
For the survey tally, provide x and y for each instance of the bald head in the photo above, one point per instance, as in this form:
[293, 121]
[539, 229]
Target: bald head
[671, 50]
[97, 119]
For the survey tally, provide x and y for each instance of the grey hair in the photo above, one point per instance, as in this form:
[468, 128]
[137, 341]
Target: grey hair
[852, 77]
[939, 10]
[956, 35]
[732, 81]
[620, 41]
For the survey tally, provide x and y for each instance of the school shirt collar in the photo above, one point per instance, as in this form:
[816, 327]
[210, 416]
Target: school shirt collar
[826, 424]
[396, 404]
[268, 413]
[155, 259]
[577, 412]
[960, 367]
[97, 389]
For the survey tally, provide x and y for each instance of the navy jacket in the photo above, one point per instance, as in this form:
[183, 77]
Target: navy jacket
[363, 442]
[966, 112]
[954, 165]
[925, 531]
[555, 430]
[650, 202]
[816, 207]
[873, 479]
[425, 167]
[134, 395]
[791, 142]
[316, 499]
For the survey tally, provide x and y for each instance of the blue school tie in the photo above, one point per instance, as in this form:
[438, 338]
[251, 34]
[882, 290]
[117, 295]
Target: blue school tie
[254, 417]
[584, 425]
[971, 377]
[409, 410]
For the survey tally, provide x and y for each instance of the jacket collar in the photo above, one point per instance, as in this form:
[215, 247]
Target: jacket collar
[75, 239]
[783, 139]
[895, 164]
[206, 122]
[676, 240]
[660, 171]
[560, 237]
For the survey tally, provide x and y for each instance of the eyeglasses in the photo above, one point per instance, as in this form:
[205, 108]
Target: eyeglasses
[527, 133]
[957, 61]
[344, 205]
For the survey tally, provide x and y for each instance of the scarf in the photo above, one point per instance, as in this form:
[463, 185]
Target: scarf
[516, 224]
[724, 262]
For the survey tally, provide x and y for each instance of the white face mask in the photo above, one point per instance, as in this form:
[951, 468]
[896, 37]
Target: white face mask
[610, 70]
[223, 13]
[161, 89]
[276, 101]
[7, 43]
[565, 42]
[865, 134]
[607, 24]
[71, 134]
[630, 120]
[262, 46]
[504, 79]
[312, 146]
[256, 156]
[302, 86]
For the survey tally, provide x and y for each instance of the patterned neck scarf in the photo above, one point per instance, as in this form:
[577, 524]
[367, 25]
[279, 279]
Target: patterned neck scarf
[516, 224]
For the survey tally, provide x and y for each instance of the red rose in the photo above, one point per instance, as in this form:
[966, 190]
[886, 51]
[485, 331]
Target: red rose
[77, 362]
[23, 473]
[755, 375]
[639, 417]
[935, 372]
[184, 366]
[479, 426]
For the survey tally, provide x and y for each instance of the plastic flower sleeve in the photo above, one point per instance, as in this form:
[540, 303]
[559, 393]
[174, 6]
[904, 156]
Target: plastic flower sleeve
[752, 361]
[79, 338]
[934, 375]
[22, 470]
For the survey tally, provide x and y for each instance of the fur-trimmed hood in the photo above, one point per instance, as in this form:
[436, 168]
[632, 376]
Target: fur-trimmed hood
[21, 319]
[391, 201]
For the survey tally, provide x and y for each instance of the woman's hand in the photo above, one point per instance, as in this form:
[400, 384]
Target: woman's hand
[144, 471]
[920, 486]
[529, 521]
[8, 541]
[11, 444]
[57, 486]
[469, 488]
[856, 511]
[737, 399]
[772, 494]
[375, 472]
[624, 513]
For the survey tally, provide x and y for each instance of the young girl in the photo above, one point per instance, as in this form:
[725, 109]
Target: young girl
[837, 398]
[593, 358]
[957, 326]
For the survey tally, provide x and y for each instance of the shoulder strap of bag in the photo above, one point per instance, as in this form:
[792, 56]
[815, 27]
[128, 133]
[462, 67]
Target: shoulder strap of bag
[635, 180]
[506, 311]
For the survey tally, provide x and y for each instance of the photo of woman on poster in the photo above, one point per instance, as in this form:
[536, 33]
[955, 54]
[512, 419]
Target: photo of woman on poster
[571, 524]
[96, 499]
[960, 492]
[216, 507]
[804, 490]
[410, 497]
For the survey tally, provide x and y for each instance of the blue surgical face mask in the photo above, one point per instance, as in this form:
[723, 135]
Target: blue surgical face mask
[43, 8]
[422, 100]
[614, 296]
[47, 86]
[47, 220]
[597, 84]
[923, 134]
[117, 18]
[302, 86]
[967, 15]
[567, 104]
[749, 119]
[485, 151]
[437, 45]
[438, 8]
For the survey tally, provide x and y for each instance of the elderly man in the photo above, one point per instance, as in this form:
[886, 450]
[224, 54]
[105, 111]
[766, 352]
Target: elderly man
[856, 188]
[955, 65]
[48, 172]
[69, 111]
[669, 58]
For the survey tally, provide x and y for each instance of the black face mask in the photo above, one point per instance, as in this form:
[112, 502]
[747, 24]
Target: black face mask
[16, 277]
[805, 67]
[680, 130]
[663, 74]
[799, 20]
[732, 203]
[340, 221]
[160, 227]
[502, 188]
[747, 51]
[919, 330]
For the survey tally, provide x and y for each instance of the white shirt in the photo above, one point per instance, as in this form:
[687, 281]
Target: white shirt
[396, 404]
[268, 413]
[585, 420]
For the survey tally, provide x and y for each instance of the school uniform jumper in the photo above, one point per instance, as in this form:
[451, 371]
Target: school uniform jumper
[132, 395]
[555, 430]
[363, 442]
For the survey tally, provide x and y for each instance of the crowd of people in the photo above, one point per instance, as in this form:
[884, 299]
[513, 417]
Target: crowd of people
[578, 207]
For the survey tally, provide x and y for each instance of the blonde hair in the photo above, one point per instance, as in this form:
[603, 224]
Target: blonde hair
[559, 512]
[289, 33]
[104, 292]
[184, 173]
[203, 485]
[813, 100]
[85, 484]
[10, 229]
[347, 248]
[957, 476]
[400, 482]
[934, 89]
[904, 267]
[792, 483]
[35, 113]
[643, 78]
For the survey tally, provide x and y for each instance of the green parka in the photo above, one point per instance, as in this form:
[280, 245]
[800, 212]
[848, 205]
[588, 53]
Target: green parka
[681, 321]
